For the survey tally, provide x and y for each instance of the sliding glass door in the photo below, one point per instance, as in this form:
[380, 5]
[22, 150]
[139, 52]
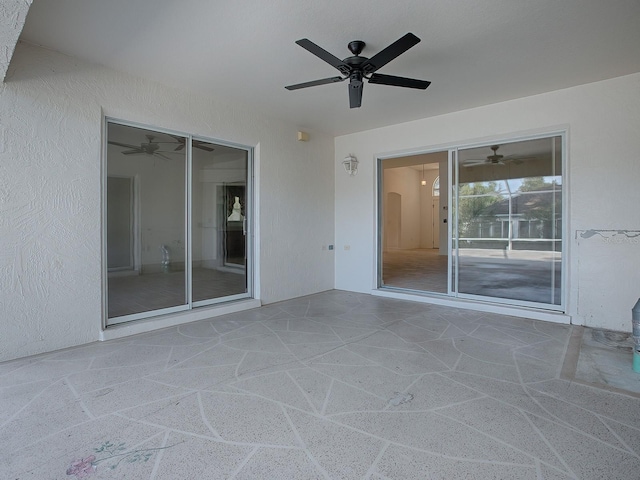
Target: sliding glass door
[176, 222]
[219, 222]
[508, 221]
[498, 222]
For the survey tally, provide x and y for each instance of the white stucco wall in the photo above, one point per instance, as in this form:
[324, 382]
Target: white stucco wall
[603, 121]
[51, 110]
[13, 14]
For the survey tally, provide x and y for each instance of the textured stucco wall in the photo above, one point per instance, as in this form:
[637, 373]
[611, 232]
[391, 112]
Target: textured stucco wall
[51, 110]
[13, 14]
[603, 121]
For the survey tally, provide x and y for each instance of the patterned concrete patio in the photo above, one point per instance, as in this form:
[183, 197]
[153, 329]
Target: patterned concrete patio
[330, 386]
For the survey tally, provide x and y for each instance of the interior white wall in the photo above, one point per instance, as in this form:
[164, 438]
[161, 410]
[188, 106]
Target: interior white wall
[427, 210]
[443, 207]
[602, 120]
[160, 202]
[50, 196]
[403, 181]
[415, 223]
[211, 172]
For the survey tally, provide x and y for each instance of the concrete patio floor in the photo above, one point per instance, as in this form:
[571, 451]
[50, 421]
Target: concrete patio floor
[336, 385]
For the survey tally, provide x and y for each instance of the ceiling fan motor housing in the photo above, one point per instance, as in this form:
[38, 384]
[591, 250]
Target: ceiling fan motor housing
[356, 47]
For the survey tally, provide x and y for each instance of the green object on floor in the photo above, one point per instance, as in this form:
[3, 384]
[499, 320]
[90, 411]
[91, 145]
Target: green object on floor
[636, 361]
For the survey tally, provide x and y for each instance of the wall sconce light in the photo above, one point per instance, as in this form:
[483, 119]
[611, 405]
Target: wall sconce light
[423, 182]
[350, 165]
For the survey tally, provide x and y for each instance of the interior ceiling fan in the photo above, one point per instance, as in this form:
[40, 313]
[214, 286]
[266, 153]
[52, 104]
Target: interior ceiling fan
[196, 144]
[357, 68]
[153, 148]
[493, 159]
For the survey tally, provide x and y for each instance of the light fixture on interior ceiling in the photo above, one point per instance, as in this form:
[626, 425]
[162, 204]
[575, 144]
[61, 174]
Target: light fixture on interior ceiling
[350, 165]
[423, 182]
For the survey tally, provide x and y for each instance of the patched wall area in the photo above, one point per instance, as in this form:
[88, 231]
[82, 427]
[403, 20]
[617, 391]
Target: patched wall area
[608, 266]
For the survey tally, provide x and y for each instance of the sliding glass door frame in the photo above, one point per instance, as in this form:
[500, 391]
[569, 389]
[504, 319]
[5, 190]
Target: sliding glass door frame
[453, 265]
[248, 226]
[455, 237]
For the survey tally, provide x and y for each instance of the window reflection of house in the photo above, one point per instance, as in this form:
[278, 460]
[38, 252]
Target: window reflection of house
[524, 220]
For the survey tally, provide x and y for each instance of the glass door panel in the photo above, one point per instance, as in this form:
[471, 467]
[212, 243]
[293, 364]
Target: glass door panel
[412, 210]
[219, 219]
[156, 231]
[508, 235]
[120, 223]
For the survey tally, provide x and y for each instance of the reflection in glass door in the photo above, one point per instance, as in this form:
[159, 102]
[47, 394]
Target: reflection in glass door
[159, 282]
[505, 242]
[508, 233]
[219, 218]
[177, 210]
[412, 256]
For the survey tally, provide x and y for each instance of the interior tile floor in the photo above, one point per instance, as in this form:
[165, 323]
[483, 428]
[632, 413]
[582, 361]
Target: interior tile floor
[336, 385]
[517, 274]
[142, 293]
[421, 269]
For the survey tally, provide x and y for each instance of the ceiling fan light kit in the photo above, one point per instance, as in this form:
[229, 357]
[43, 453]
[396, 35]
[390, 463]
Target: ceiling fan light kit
[357, 68]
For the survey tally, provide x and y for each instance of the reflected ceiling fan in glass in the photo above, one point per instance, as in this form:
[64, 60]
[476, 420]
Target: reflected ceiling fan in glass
[494, 159]
[150, 147]
[146, 148]
[195, 143]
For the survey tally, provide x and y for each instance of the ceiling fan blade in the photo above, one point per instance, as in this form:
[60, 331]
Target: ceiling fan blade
[125, 145]
[355, 95]
[471, 162]
[322, 54]
[517, 160]
[202, 146]
[397, 48]
[314, 83]
[180, 140]
[158, 154]
[398, 81]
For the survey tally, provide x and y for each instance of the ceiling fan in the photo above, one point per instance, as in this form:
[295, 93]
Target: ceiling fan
[153, 148]
[357, 68]
[493, 159]
[196, 144]
[146, 148]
